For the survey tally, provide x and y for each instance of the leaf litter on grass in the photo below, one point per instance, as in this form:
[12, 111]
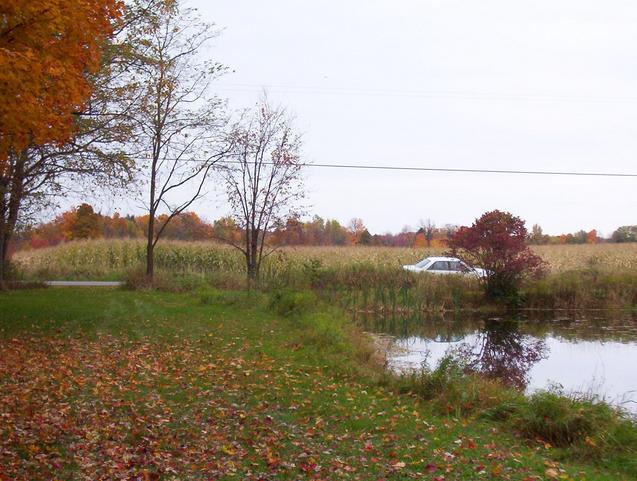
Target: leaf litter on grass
[114, 408]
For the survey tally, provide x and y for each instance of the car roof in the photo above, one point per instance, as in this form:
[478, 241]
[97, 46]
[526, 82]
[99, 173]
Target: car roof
[434, 259]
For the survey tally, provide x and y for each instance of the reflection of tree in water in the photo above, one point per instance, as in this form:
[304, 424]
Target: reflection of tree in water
[502, 352]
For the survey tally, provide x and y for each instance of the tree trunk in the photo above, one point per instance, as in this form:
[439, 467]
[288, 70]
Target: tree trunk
[6, 231]
[3, 226]
[150, 248]
[253, 264]
[152, 209]
[12, 192]
[250, 270]
[252, 258]
[2, 255]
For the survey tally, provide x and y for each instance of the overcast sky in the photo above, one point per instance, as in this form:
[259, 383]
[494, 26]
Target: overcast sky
[542, 85]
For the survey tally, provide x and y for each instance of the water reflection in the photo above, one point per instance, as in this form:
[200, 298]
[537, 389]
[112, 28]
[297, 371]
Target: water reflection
[581, 352]
[500, 351]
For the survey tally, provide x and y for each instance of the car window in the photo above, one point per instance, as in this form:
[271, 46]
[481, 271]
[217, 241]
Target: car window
[458, 266]
[439, 266]
[423, 263]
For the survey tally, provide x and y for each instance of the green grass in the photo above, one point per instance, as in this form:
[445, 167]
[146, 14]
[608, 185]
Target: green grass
[96, 384]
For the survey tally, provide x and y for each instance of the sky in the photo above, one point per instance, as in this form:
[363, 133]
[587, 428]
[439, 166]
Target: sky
[542, 85]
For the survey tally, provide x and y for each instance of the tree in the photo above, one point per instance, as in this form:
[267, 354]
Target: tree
[50, 58]
[263, 181]
[365, 238]
[335, 232]
[427, 228]
[47, 47]
[627, 233]
[419, 240]
[356, 228]
[81, 223]
[179, 122]
[536, 236]
[496, 242]
[227, 229]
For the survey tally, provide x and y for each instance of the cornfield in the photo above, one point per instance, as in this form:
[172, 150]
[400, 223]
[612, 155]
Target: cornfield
[112, 259]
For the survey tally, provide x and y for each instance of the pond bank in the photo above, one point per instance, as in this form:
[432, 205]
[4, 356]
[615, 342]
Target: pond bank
[243, 385]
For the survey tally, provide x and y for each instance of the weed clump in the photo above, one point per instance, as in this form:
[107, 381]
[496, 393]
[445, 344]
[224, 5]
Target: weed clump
[562, 420]
[290, 303]
[163, 281]
[582, 427]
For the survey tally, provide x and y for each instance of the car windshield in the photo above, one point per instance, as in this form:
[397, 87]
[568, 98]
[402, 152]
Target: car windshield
[423, 263]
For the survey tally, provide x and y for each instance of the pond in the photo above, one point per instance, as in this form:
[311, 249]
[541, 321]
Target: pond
[591, 353]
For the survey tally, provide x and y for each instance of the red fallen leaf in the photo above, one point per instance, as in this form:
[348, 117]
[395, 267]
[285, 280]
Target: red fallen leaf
[479, 468]
[430, 468]
[307, 467]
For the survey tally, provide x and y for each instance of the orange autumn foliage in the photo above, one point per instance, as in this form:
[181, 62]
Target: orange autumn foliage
[420, 240]
[47, 50]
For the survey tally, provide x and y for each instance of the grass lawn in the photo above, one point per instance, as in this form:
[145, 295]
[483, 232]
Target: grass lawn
[110, 384]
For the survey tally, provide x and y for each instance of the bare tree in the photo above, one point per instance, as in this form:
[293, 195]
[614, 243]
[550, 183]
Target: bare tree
[263, 179]
[179, 122]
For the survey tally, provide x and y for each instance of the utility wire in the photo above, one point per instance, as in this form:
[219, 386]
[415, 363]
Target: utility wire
[433, 94]
[432, 169]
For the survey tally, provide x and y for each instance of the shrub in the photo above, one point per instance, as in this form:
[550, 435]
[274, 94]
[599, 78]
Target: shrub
[288, 303]
[497, 242]
[163, 281]
[562, 420]
[454, 391]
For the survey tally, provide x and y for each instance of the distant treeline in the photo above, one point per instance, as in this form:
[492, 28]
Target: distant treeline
[622, 234]
[83, 222]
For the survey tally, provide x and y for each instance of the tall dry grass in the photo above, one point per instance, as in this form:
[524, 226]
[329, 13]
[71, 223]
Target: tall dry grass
[367, 278]
[111, 258]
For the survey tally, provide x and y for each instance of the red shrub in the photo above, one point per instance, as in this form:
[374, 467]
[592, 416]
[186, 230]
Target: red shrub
[497, 242]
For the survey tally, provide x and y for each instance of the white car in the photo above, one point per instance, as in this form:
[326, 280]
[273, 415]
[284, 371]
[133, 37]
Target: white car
[444, 266]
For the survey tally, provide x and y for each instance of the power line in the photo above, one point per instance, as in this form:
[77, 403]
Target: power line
[472, 171]
[433, 94]
[434, 169]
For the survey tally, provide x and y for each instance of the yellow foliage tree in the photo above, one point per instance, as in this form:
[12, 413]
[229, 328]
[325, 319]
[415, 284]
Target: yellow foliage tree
[47, 48]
